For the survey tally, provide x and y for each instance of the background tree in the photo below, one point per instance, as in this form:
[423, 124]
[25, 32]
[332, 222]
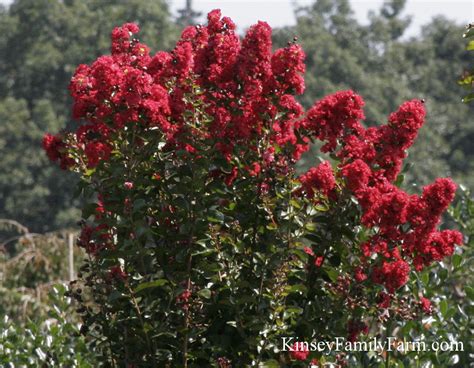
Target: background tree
[435, 61]
[40, 44]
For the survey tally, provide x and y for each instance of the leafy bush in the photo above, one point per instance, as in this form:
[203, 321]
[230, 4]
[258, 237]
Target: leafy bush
[49, 341]
[31, 264]
[205, 247]
[39, 327]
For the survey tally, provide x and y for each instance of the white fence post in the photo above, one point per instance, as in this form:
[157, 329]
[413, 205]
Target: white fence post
[71, 256]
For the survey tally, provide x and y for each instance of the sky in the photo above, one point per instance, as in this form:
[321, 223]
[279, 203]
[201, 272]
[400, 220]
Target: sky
[280, 12]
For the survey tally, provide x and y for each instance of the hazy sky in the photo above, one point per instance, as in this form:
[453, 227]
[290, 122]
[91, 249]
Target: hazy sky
[280, 12]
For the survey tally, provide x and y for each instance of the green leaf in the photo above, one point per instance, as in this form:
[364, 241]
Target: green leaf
[468, 98]
[150, 284]
[425, 277]
[89, 172]
[295, 204]
[400, 180]
[88, 210]
[299, 288]
[313, 237]
[205, 293]
[469, 33]
[139, 204]
[269, 364]
[205, 252]
[457, 259]
[294, 310]
[469, 292]
[450, 313]
[321, 208]
[332, 273]
[466, 81]
[443, 307]
[470, 46]
[311, 226]
[217, 219]
[271, 226]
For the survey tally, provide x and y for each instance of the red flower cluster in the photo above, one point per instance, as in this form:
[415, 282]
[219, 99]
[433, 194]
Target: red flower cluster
[116, 272]
[371, 159]
[355, 328]
[334, 117]
[183, 299]
[406, 227]
[55, 149]
[392, 274]
[425, 305]
[95, 238]
[299, 351]
[320, 178]
[243, 86]
[317, 260]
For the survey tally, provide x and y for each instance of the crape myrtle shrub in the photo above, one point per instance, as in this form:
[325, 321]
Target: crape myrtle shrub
[206, 248]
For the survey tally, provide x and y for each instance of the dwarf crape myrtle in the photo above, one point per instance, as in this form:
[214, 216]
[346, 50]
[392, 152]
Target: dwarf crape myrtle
[205, 247]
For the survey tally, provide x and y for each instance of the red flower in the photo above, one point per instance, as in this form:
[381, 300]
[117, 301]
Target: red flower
[121, 37]
[255, 169]
[439, 244]
[357, 175]
[320, 178]
[184, 296]
[229, 179]
[309, 251]
[183, 299]
[439, 195]
[299, 351]
[118, 273]
[391, 274]
[51, 145]
[288, 67]
[95, 152]
[56, 150]
[425, 305]
[248, 114]
[384, 300]
[359, 274]
[335, 116]
[355, 328]
[318, 261]
[254, 68]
